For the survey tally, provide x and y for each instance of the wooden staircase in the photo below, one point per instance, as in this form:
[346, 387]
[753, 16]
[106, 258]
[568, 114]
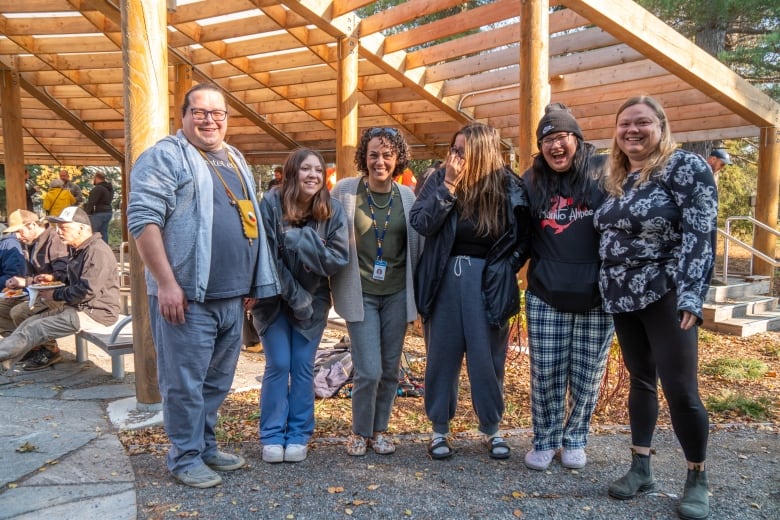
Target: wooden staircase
[742, 306]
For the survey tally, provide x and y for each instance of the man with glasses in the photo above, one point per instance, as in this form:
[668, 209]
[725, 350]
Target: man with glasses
[90, 300]
[47, 262]
[192, 211]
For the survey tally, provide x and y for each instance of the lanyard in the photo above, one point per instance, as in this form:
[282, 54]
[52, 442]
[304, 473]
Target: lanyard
[379, 240]
[238, 174]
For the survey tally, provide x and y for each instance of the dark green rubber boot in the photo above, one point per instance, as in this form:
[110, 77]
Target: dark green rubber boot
[695, 503]
[638, 479]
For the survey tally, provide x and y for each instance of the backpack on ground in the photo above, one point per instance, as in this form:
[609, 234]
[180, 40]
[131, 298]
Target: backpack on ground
[333, 369]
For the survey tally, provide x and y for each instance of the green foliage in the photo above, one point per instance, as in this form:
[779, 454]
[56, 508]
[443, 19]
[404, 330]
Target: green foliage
[757, 409]
[736, 185]
[733, 368]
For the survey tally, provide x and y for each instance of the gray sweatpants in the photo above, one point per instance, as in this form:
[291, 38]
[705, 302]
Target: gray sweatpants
[458, 327]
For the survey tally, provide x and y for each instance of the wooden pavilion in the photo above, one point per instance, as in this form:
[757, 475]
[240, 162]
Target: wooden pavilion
[95, 82]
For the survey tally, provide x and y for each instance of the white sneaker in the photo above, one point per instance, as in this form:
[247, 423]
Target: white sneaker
[273, 453]
[539, 460]
[573, 459]
[295, 452]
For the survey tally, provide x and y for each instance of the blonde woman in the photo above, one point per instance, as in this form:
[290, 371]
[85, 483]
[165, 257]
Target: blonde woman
[657, 254]
[474, 216]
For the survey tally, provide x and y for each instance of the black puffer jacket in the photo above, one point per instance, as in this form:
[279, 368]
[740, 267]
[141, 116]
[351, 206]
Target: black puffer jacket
[433, 217]
[100, 197]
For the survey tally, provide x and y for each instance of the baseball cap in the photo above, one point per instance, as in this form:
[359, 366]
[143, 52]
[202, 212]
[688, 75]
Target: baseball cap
[721, 154]
[18, 219]
[71, 214]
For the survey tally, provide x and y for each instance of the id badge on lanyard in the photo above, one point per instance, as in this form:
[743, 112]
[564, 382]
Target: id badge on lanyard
[380, 265]
[380, 268]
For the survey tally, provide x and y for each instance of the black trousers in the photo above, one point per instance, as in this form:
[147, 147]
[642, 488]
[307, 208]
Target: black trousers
[655, 347]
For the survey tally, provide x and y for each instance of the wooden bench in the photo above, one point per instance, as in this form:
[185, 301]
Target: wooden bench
[116, 340]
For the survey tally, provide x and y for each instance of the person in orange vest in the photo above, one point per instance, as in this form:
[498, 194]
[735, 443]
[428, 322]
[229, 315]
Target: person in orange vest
[330, 176]
[407, 178]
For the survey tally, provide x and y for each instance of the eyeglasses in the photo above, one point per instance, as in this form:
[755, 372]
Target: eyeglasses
[198, 114]
[560, 139]
[373, 132]
[457, 151]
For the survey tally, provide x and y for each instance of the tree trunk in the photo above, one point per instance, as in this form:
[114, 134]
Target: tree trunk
[711, 36]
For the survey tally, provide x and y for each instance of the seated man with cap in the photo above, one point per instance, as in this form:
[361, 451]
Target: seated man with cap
[90, 298]
[717, 160]
[47, 261]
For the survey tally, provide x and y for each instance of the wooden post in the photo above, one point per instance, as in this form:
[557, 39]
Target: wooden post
[181, 85]
[767, 197]
[145, 53]
[534, 75]
[347, 109]
[11, 103]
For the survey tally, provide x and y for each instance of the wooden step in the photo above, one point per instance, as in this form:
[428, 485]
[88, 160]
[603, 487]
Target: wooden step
[738, 308]
[737, 287]
[747, 325]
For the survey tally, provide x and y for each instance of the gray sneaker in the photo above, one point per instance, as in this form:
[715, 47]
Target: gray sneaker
[222, 461]
[199, 477]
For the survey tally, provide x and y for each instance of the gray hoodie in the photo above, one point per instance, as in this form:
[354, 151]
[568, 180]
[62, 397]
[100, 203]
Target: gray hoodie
[170, 187]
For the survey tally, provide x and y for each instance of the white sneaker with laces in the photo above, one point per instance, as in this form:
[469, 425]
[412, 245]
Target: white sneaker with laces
[273, 453]
[295, 452]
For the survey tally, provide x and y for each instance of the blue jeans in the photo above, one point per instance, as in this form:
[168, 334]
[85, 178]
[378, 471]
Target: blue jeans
[287, 398]
[99, 223]
[377, 343]
[196, 362]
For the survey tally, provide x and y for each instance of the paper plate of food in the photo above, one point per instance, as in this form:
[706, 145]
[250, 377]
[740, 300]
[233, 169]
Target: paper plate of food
[42, 286]
[12, 294]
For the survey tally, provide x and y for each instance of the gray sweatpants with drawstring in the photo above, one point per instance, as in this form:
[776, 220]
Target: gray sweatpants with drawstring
[459, 326]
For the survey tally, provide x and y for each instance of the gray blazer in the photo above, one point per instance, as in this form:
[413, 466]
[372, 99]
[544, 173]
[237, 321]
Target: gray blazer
[346, 285]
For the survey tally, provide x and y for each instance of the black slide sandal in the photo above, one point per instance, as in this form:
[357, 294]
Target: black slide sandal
[440, 442]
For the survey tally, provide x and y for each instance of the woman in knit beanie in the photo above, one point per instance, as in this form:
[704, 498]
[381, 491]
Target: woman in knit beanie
[569, 335]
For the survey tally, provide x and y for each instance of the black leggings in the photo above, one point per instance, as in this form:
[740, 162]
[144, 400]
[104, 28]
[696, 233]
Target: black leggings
[654, 346]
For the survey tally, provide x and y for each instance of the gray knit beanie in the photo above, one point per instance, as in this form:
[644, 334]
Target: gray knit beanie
[557, 118]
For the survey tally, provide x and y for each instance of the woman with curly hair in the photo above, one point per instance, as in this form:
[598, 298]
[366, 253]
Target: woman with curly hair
[307, 233]
[474, 216]
[657, 254]
[374, 293]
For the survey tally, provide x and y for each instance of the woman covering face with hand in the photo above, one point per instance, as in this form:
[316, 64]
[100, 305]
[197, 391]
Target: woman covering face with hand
[473, 214]
[307, 232]
[657, 255]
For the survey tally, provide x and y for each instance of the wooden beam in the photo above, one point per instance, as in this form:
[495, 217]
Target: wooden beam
[767, 197]
[55, 106]
[10, 101]
[637, 27]
[182, 84]
[347, 113]
[534, 83]
[144, 46]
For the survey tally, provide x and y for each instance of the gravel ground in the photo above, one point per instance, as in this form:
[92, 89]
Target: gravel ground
[744, 477]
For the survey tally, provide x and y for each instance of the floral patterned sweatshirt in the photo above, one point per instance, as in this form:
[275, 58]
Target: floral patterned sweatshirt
[658, 237]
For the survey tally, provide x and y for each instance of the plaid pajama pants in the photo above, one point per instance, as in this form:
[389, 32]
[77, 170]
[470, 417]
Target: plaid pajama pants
[568, 355]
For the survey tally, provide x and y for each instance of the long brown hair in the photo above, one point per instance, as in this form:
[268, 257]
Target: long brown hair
[319, 207]
[619, 163]
[480, 191]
